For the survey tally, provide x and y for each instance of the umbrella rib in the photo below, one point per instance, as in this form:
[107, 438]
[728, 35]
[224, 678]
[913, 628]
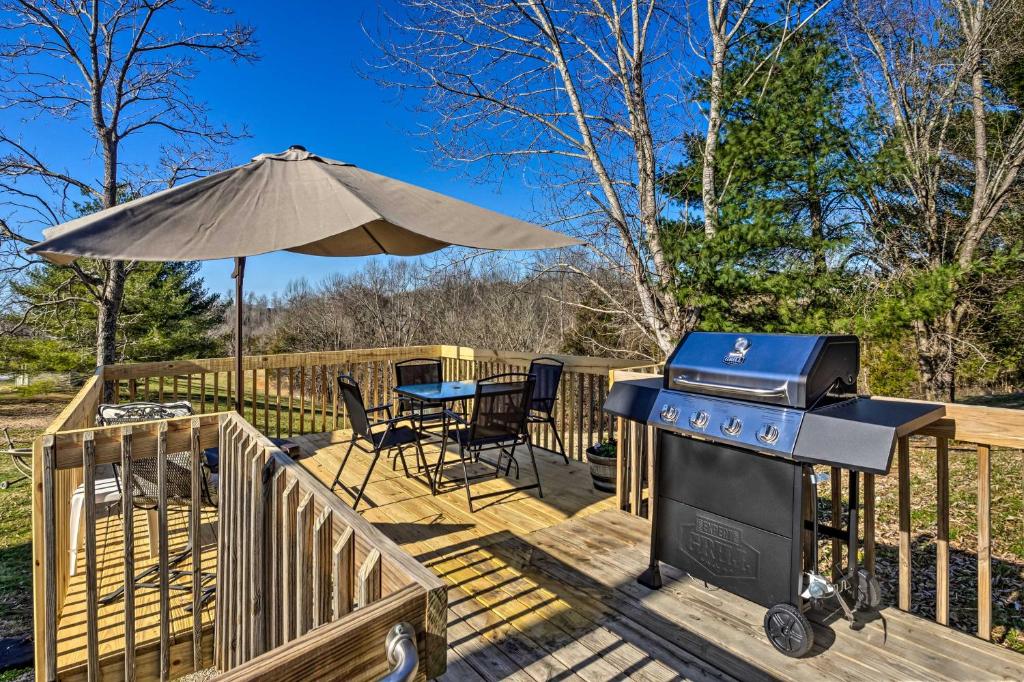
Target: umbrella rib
[370, 235]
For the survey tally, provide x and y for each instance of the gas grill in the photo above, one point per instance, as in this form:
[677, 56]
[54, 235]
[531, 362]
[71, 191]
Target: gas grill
[742, 420]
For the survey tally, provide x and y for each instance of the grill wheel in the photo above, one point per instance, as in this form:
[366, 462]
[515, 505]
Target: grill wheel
[788, 630]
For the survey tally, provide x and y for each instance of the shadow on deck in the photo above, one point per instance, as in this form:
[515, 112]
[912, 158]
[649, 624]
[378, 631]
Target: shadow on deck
[545, 589]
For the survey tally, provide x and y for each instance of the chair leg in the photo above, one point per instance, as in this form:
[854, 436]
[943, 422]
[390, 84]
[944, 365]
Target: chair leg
[536, 472]
[440, 458]
[366, 479]
[344, 460]
[558, 439]
[421, 457]
[401, 455]
[465, 476]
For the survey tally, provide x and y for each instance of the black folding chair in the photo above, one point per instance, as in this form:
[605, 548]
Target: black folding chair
[500, 408]
[547, 374]
[392, 437]
[415, 372]
[145, 488]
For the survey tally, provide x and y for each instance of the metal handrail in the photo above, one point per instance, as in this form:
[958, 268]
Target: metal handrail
[400, 645]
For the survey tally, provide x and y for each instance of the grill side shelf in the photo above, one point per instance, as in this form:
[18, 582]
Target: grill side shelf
[860, 434]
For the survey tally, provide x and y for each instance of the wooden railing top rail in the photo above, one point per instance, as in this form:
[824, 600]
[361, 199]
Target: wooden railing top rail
[81, 411]
[251, 362]
[107, 439]
[575, 363]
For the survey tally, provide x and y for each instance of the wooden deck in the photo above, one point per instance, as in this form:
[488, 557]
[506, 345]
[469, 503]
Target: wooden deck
[544, 589]
[71, 642]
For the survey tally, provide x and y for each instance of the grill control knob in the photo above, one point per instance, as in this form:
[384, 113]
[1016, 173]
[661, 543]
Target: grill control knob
[732, 427]
[699, 419]
[769, 433]
[669, 413]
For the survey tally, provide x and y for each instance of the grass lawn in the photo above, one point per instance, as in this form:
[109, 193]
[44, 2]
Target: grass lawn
[25, 416]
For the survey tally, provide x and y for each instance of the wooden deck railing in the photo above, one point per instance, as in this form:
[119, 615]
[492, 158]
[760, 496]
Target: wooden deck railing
[71, 455]
[306, 587]
[981, 428]
[292, 393]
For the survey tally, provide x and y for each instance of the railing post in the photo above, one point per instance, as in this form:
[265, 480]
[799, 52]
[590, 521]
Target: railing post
[984, 542]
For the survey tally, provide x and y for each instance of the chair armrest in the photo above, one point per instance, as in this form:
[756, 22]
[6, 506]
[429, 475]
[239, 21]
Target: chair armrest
[380, 408]
[451, 414]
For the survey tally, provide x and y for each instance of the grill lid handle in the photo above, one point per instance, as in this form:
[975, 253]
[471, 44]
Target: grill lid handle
[726, 388]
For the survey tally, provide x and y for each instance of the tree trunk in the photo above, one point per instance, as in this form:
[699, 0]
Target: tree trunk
[709, 189]
[112, 294]
[937, 358]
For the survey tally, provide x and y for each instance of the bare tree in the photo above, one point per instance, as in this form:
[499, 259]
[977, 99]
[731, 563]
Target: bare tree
[927, 69]
[124, 66]
[584, 96]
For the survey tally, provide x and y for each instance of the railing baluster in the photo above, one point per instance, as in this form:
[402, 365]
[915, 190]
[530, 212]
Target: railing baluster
[903, 448]
[195, 539]
[302, 399]
[277, 551]
[162, 568]
[837, 512]
[127, 510]
[984, 542]
[343, 563]
[323, 535]
[50, 555]
[370, 579]
[620, 463]
[304, 565]
[277, 400]
[266, 401]
[291, 399]
[869, 522]
[942, 530]
[91, 592]
[290, 581]
[635, 466]
[257, 560]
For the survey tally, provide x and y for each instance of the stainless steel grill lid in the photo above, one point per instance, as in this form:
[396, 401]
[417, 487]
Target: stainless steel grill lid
[790, 370]
[786, 395]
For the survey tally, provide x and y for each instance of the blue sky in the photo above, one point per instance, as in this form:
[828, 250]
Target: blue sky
[306, 90]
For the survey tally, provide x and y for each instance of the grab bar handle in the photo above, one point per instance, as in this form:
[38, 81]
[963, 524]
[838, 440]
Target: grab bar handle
[400, 645]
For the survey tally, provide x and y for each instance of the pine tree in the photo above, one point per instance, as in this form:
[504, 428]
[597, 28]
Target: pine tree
[788, 180]
[167, 313]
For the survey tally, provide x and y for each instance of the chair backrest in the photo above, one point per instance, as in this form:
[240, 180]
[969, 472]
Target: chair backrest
[414, 372]
[352, 397]
[547, 374]
[145, 489]
[500, 406]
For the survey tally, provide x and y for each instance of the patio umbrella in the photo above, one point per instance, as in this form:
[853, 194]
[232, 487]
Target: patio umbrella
[293, 201]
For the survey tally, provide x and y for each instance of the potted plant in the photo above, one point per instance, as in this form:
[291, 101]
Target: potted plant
[601, 457]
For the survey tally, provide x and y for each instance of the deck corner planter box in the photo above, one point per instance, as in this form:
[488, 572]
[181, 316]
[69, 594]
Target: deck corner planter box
[602, 465]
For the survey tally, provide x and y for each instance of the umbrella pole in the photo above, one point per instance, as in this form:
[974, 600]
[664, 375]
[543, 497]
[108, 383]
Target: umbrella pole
[239, 277]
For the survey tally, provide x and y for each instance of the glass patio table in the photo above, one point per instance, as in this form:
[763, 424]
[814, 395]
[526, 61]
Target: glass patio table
[443, 393]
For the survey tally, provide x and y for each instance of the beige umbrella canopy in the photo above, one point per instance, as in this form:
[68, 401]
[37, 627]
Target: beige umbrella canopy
[293, 201]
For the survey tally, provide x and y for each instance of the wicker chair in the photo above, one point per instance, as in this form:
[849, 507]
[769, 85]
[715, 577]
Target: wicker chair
[145, 487]
[500, 409]
[365, 432]
[547, 374]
